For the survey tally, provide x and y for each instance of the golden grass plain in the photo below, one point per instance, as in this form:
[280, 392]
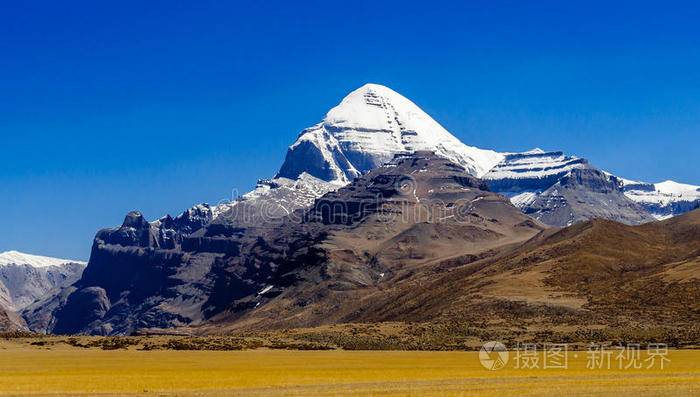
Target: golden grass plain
[68, 371]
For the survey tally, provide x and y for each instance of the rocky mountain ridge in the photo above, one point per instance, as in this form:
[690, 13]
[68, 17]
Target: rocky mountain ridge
[417, 209]
[561, 190]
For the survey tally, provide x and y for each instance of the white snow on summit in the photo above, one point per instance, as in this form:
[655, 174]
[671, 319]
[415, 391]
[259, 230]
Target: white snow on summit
[678, 189]
[535, 151]
[366, 130]
[19, 258]
[373, 124]
[375, 119]
[665, 199]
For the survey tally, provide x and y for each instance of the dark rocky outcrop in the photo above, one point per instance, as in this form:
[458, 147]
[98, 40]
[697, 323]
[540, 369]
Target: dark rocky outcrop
[84, 306]
[585, 194]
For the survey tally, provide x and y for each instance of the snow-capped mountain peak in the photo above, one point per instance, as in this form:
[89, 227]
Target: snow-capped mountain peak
[672, 187]
[370, 126]
[665, 199]
[20, 258]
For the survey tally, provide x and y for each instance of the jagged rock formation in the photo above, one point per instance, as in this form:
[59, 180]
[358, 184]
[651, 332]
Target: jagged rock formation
[133, 270]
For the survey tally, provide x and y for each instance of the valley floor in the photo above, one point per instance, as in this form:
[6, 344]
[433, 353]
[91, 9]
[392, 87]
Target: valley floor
[64, 370]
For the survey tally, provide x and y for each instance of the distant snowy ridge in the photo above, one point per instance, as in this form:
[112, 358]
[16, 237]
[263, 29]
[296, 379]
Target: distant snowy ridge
[26, 278]
[19, 258]
[665, 199]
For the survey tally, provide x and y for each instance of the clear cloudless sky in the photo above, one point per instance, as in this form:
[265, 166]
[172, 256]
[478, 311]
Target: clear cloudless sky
[106, 107]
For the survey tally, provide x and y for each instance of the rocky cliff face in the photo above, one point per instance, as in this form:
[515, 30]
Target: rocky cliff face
[584, 194]
[140, 275]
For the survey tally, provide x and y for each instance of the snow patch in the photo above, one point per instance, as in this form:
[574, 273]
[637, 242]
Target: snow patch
[265, 290]
[523, 199]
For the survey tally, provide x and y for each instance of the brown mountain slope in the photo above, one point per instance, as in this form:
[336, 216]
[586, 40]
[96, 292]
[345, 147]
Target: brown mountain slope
[11, 321]
[477, 265]
[598, 272]
[380, 234]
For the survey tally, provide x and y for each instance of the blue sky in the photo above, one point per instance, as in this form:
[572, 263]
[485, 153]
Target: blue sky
[158, 105]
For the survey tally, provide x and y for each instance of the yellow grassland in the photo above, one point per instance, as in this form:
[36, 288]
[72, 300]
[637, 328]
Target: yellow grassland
[64, 370]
